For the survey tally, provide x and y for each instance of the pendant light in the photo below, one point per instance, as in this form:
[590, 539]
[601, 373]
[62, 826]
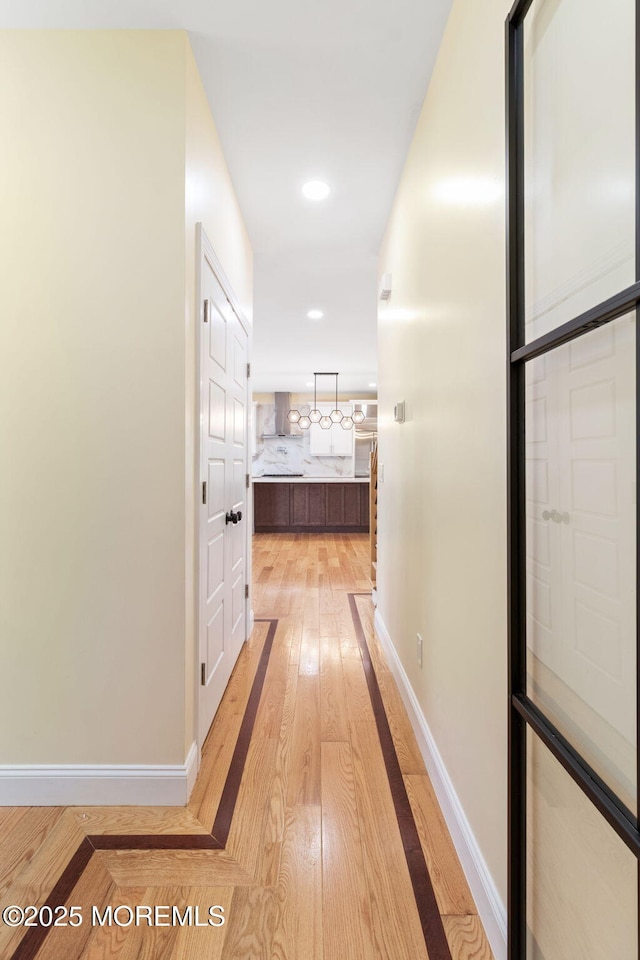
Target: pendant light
[325, 421]
[303, 420]
[336, 415]
[314, 414]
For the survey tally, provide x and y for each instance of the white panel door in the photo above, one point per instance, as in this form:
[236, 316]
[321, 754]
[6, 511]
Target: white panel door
[581, 519]
[237, 411]
[223, 464]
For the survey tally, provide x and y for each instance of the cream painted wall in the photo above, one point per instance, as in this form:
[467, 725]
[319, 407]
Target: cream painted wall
[96, 397]
[442, 506]
[209, 199]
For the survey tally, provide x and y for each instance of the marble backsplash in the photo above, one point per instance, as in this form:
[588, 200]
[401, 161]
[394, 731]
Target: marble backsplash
[291, 455]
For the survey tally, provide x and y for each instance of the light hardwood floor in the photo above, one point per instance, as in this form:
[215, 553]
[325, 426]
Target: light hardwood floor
[313, 867]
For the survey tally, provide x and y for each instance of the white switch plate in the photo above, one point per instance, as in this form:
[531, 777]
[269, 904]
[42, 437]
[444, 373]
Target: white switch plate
[419, 649]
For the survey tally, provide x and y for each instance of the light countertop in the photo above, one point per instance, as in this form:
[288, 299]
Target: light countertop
[285, 479]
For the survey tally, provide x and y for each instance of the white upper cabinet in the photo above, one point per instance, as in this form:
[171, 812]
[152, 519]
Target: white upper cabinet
[334, 442]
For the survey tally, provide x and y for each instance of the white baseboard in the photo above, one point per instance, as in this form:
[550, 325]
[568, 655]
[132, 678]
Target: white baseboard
[491, 909]
[192, 767]
[45, 785]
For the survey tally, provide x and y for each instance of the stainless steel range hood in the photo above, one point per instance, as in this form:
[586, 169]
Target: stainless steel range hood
[283, 427]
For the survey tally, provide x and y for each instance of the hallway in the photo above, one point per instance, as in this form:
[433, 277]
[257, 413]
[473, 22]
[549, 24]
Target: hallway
[312, 783]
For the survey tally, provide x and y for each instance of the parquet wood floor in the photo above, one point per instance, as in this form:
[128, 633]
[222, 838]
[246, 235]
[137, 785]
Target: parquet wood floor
[312, 798]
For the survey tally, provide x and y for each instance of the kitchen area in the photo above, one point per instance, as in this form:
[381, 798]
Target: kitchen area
[311, 463]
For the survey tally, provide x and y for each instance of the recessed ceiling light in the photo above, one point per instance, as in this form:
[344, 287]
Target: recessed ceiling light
[373, 384]
[316, 190]
[309, 383]
[315, 314]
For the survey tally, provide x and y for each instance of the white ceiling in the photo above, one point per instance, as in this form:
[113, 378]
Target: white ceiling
[299, 90]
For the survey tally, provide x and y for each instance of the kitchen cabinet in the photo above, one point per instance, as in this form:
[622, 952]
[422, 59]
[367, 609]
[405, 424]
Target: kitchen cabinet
[271, 504]
[343, 504]
[320, 441]
[334, 442]
[300, 507]
[308, 504]
[341, 441]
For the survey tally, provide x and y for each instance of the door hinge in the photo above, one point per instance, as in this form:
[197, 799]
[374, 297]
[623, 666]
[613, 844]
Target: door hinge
[247, 480]
[203, 674]
[204, 491]
[206, 311]
[246, 591]
[248, 370]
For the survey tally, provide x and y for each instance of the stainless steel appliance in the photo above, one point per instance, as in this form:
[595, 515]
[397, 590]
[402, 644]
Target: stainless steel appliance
[366, 433]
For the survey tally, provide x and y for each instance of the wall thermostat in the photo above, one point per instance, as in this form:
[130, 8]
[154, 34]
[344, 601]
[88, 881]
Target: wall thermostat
[398, 412]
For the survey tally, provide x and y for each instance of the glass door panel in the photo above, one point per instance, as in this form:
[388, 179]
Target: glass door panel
[579, 157]
[581, 546]
[573, 137]
[581, 883]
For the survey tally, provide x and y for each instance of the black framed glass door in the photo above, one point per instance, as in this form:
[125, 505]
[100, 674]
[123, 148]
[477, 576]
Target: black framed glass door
[573, 292]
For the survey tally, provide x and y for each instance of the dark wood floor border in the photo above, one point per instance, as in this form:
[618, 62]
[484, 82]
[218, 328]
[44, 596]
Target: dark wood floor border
[433, 931]
[154, 841]
[35, 936]
[33, 939]
[431, 921]
[224, 813]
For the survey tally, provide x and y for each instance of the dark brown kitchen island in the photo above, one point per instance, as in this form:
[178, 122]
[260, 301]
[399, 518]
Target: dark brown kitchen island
[310, 505]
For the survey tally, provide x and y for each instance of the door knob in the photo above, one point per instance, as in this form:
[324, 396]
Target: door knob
[239, 514]
[556, 516]
[231, 517]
